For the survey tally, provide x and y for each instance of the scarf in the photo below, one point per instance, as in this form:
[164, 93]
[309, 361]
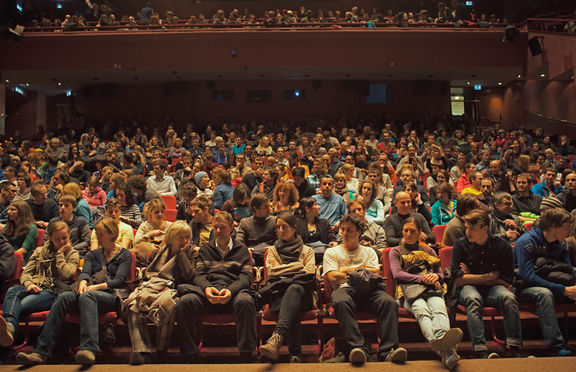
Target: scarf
[289, 251]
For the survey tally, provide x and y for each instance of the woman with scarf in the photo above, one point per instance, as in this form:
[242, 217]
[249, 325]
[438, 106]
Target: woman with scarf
[416, 269]
[55, 260]
[155, 298]
[289, 257]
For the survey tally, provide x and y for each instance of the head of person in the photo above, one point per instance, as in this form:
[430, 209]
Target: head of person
[58, 234]
[116, 180]
[159, 168]
[260, 205]
[125, 195]
[200, 208]
[411, 230]
[412, 190]
[351, 228]
[154, 210]
[222, 225]
[221, 176]
[241, 195]
[286, 193]
[348, 170]
[357, 208]
[178, 235]
[503, 203]
[557, 224]
[8, 191]
[477, 222]
[403, 203]
[487, 187]
[137, 185]
[523, 182]
[61, 177]
[299, 174]
[444, 192]
[570, 181]
[20, 218]
[549, 175]
[73, 189]
[308, 208]
[113, 209]
[374, 175]
[406, 176]
[340, 181]
[202, 179]
[442, 176]
[106, 232]
[67, 205]
[476, 179]
[326, 186]
[367, 190]
[38, 192]
[287, 224]
[466, 203]
[269, 176]
[24, 181]
[188, 192]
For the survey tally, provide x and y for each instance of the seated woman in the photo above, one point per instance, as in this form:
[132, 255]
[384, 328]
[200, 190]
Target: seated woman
[20, 229]
[374, 207]
[315, 232]
[204, 185]
[126, 233]
[104, 270]
[417, 204]
[82, 207]
[416, 268]
[93, 194]
[238, 205]
[155, 298]
[351, 182]
[289, 257]
[341, 187]
[285, 197]
[150, 234]
[223, 189]
[55, 260]
[130, 212]
[445, 207]
[441, 177]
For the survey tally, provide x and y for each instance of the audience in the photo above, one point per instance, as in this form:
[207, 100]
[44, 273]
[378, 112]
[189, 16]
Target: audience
[20, 229]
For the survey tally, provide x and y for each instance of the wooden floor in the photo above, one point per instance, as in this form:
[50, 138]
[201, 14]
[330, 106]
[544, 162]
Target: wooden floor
[470, 365]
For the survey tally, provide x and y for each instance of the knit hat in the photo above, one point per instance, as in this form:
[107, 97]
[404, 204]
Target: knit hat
[550, 202]
[198, 176]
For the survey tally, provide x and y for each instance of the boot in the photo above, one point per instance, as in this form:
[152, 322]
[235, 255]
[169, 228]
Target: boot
[272, 348]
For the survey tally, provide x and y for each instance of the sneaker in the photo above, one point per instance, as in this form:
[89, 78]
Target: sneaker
[30, 359]
[85, 357]
[137, 359]
[357, 357]
[564, 353]
[272, 348]
[451, 360]
[451, 338]
[296, 358]
[6, 333]
[484, 354]
[398, 355]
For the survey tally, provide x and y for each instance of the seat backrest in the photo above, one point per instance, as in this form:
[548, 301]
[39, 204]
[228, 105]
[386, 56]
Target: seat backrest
[40, 237]
[327, 291]
[18, 267]
[529, 226]
[170, 215]
[170, 201]
[439, 233]
[387, 272]
[445, 257]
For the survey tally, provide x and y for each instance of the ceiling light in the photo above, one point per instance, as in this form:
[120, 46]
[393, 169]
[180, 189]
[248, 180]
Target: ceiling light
[27, 84]
[59, 84]
[518, 76]
[572, 77]
[499, 84]
[467, 83]
[542, 75]
[6, 81]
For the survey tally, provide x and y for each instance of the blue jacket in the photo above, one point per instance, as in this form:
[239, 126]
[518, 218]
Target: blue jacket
[542, 190]
[440, 215]
[222, 192]
[528, 248]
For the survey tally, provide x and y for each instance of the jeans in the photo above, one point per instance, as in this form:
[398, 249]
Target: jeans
[431, 315]
[19, 301]
[89, 304]
[295, 301]
[347, 302]
[544, 299]
[191, 305]
[497, 296]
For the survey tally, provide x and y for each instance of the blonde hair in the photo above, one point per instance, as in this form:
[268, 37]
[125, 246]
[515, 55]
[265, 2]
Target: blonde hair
[153, 205]
[174, 230]
[73, 189]
[110, 226]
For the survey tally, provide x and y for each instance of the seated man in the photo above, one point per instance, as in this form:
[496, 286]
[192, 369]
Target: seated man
[502, 222]
[332, 205]
[483, 269]
[78, 226]
[160, 182]
[339, 262]
[393, 224]
[475, 184]
[223, 272]
[547, 241]
[525, 200]
[455, 229]
[43, 208]
[125, 232]
[200, 209]
[373, 235]
[188, 192]
[568, 195]
[406, 176]
[487, 196]
[305, 189]
[258, 231]
[547, 187]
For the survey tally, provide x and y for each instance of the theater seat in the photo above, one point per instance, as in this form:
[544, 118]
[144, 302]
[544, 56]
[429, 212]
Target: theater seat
[170, 201]
[391, 283]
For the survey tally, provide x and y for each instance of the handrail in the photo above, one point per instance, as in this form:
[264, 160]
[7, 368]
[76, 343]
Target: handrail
[550, 118]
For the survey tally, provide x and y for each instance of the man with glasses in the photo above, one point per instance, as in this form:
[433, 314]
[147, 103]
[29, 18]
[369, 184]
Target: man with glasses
[43, 208]
[502, 222]
[525, 200]
[7, 193]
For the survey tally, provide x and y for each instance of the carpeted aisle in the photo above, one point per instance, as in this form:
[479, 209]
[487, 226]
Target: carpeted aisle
[469, 365]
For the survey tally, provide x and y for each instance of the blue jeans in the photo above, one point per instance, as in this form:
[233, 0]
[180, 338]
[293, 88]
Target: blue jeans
[544, 299]
[19, 301]
[89, 304]
[432, 316]
[497, 296]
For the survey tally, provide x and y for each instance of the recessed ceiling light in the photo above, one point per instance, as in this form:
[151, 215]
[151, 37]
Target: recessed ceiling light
[59, 84]
[542, 75]
[499, 83]
[518, 76]
[467, 83]
[572, 77]
[6, 81]
[27, 84]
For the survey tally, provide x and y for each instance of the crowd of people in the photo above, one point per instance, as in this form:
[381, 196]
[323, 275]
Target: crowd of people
[102, 16]
[288, 201]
